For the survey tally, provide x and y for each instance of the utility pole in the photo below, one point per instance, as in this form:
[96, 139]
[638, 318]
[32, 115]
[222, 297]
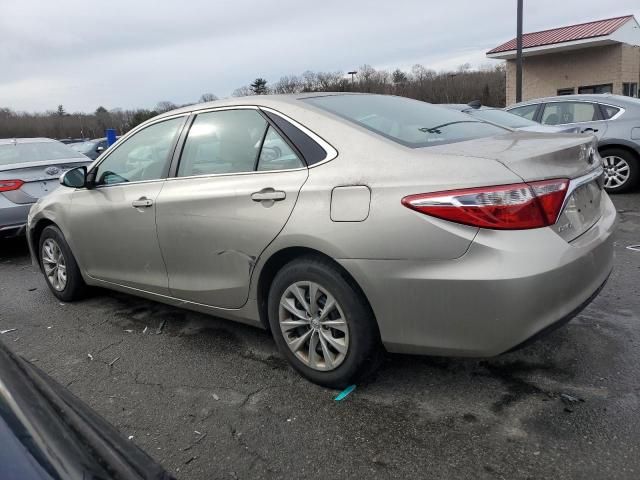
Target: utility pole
[519, 54]
[352, 78]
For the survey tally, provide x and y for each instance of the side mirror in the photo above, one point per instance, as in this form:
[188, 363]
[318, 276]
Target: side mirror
[74, 178]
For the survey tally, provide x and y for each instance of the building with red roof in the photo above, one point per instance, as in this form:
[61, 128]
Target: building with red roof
[602, 56]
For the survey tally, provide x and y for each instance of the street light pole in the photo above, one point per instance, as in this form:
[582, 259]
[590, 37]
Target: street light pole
[519, 54]
[352, 78]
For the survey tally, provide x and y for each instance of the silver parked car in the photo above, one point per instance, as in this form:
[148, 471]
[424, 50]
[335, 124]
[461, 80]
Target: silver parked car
[507, 119]
[613, 119]
[29, 169]
[341, 222]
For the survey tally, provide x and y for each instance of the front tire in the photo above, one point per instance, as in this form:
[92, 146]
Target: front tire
[59, 266]
[322, 324]
[621, 170]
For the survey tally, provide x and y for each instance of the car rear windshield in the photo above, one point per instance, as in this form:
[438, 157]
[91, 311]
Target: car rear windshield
[409, 122]
[501, 117]
[23, 152]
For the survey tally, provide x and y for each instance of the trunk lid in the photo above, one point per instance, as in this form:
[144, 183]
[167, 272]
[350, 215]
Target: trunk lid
[540, 156]
[531, 155]
[40, 178]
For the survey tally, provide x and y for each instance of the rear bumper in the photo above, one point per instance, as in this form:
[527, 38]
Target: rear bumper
[507, 288]
[13, 218]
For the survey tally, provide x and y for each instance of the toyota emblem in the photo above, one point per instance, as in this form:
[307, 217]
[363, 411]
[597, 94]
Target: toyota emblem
[52, 171]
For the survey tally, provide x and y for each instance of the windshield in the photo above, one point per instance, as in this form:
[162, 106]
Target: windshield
[35, 152]
[409, 122]
[501, 118]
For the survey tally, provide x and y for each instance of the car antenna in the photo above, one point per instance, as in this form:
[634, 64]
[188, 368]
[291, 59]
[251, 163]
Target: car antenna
[475, 104]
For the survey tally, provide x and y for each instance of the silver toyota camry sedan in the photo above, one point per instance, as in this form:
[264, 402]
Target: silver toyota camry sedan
[345, 223]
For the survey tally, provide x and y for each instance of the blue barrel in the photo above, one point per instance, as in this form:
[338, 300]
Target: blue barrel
[111, 136]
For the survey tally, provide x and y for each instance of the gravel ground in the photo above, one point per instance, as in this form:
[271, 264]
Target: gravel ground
[211, 399]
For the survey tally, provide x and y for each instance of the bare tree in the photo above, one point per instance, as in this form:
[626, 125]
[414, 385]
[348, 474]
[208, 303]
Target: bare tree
[207, 97]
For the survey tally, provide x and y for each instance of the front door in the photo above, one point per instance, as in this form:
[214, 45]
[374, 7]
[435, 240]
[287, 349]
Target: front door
[114, 224]
[236, 185]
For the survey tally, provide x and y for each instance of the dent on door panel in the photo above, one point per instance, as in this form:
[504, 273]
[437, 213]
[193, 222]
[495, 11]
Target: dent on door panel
[211, 231]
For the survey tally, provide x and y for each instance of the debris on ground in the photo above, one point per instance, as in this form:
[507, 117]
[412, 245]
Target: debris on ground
[190, 460]
[130, 437]
[635, 248]
[49, 327]
[2, 332]
[114, 361]
[90, 356]
[343, 394]
[129, 330]
[32, 289]
[159, 330]
[145, 330]
[215, 397]
[569, 400]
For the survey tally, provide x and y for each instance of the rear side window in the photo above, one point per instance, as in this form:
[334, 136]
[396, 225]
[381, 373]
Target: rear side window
[234, 141]
[559, 113]
[526, 111]
[312, 153]
[608, 111]
[409, 122]
[227, 141]
[276, 154]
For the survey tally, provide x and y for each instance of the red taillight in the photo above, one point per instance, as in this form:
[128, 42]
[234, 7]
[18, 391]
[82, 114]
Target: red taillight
[503, 207]
[8, 185]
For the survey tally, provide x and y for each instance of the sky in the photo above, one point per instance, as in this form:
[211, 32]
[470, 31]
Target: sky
[135, 53]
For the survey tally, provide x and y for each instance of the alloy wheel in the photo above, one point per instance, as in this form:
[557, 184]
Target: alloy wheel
[55, 268]
[313, 325]
[616, 171]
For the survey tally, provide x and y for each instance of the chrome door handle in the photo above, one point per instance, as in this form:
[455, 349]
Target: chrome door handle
[142, 202]
[267, 194]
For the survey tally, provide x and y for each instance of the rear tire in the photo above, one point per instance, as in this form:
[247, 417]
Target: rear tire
[59, 266]
[622, 170]
[346, 341]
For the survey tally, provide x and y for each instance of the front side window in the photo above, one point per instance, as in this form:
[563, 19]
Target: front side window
[234, 141]
[409, 122]
[559, 113]
[526, 111]
[143, 156]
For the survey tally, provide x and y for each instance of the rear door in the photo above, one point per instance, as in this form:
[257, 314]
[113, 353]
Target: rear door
[586, 116]
[236, 184]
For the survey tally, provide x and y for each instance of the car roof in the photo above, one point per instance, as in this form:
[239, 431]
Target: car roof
[6, 141]
[272, 101]
[607, 98]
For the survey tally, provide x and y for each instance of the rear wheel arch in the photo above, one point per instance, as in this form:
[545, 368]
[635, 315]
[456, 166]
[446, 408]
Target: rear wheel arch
[281, 258]
[619, 146]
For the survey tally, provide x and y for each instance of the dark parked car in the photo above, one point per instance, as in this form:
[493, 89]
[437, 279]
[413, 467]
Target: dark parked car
[613, 119]
[91, 148]
[507, 119]
[47, 433]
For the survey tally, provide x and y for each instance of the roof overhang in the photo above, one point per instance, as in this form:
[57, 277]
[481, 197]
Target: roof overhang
[628, 32]
[555, 48]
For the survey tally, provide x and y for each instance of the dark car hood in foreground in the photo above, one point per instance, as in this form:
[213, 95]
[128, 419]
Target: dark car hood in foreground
[47, 433]
[532, 156]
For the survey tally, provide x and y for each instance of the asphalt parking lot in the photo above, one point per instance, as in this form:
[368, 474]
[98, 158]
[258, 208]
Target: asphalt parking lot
[210, 398]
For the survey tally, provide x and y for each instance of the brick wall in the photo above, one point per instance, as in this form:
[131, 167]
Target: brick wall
[544, 74]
